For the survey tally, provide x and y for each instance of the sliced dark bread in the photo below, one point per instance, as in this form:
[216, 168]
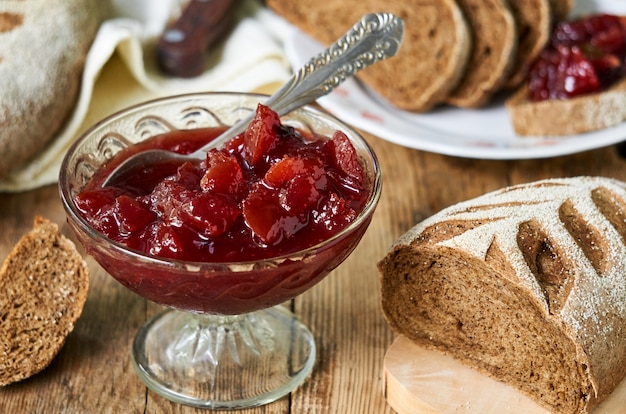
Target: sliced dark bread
[494, 48]
[44, 283]
[534, 22]
[431, 60]
[561, 8]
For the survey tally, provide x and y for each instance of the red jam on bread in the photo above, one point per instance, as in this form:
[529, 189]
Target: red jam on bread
[583, 56]
[270, 191]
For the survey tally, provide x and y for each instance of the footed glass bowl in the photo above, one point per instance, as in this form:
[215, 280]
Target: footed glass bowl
[224, 341]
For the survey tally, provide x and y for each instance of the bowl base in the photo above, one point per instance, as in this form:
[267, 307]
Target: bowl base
[224, 362]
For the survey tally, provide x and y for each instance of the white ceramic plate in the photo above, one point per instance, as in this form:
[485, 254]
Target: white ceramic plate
[484, 133]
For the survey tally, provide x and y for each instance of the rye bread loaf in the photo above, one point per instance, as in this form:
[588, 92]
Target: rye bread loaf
[494, 47]
[525, 284]
[534, 25]
[43, 45]
[44, 283]
[559, 117]
[431, 60]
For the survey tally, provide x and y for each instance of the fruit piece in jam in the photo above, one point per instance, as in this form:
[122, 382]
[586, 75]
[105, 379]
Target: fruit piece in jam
[583, 56]
[270, 191]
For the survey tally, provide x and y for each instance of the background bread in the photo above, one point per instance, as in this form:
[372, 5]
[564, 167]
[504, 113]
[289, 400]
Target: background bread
[44, 283]
[494, 47]
[525, 284]
[561, 8]
[533, 19]
[432, 57]
[43, 45]
[567, 116]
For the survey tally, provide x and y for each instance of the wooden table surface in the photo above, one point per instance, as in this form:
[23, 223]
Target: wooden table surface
[93, 372]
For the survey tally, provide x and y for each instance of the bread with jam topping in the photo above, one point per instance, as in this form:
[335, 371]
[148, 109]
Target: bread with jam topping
[525, 284]
[560, 117]
[494, 48]
[430, 62]
[44, 283]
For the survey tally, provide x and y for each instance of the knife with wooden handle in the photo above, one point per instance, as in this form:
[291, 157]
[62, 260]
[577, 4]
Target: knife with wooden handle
[181, 50]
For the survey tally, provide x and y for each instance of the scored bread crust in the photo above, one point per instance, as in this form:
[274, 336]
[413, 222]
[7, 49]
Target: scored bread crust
[525, 284]
[44, 283]
[534, 22]
[43, 46]
[557, 117]
[431, 59]
[494, 46]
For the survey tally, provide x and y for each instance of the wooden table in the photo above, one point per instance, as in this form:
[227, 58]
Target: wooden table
[93, 372]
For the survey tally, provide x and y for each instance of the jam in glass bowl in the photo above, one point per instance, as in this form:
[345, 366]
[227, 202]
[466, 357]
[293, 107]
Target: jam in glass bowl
[225, 242]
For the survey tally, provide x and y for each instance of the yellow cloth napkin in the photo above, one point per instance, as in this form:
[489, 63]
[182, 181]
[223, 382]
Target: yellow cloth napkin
[120, 70]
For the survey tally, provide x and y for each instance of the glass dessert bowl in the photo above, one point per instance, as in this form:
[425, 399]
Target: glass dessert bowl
[224, 340]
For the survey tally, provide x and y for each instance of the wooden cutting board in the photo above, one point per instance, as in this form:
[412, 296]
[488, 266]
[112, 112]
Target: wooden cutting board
[421, 381]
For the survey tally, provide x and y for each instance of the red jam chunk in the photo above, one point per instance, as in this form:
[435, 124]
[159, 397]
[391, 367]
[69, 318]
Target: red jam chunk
[583, 56]
[272, 190]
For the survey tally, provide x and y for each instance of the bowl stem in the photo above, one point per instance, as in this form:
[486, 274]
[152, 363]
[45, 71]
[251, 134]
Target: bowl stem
[223, 361]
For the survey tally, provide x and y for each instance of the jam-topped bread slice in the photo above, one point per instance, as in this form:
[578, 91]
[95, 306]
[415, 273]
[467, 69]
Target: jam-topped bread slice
[525, 284]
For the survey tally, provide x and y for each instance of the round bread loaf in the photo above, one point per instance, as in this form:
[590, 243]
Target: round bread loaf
[44, 283]
[525, 284]
[43, 45]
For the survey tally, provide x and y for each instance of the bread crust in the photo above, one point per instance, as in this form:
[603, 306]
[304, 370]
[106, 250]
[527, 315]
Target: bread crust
[44, 281]
[558, 117]
[561, 8]
[494, 47]
[525, 284]
[534, 21]
[430, 62]
[43, 46]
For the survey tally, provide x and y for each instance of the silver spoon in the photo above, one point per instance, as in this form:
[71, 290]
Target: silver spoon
[374, 38]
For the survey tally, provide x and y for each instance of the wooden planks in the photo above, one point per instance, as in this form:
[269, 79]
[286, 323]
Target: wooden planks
[93, 372]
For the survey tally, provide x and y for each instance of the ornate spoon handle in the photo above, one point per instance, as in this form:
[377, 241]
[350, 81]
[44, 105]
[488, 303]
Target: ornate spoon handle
[374, 38]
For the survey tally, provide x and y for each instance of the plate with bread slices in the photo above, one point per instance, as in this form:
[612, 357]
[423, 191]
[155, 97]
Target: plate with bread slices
[462, 122]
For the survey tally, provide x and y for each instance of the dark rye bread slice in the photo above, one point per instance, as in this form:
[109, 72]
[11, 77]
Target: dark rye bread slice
[494, 46]
[559, 117]
[44, 283]
[525, 284]
[534, 21]
[561, 8]
[431, 60]
[43, 46]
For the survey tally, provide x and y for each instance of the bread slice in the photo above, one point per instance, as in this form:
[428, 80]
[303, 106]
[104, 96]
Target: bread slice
[561, 8]
[567, 116]
[525, 284]
[431, 60]
[534, 24]
[44, 283]
[494, 48]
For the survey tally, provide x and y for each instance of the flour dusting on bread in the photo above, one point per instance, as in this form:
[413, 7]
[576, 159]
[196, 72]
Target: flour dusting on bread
[525, 284]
